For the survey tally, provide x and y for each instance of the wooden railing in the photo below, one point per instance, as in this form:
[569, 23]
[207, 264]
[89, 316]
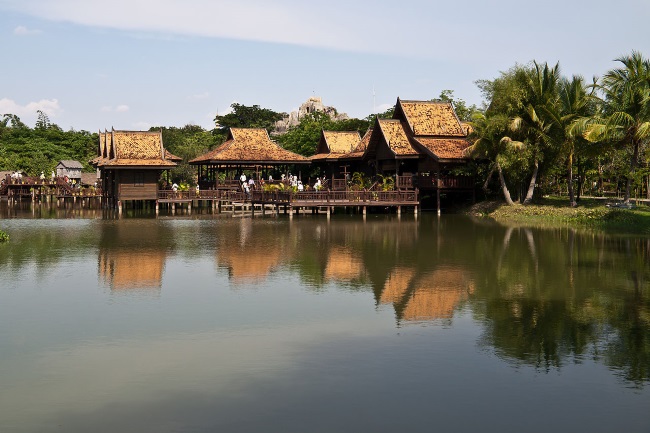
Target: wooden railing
[445, 182]
[335, 197]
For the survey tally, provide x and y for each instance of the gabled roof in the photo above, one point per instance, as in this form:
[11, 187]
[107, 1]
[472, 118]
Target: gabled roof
[70, 163]
[334, 144]
[341, 141]
[396, 137]
[250, 146]
[171, 157]
[134, 149]
[429, 118]
[360, 148]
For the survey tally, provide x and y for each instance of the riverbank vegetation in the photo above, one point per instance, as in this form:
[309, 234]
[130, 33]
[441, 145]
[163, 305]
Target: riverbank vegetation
[4, 237]
[597, 214]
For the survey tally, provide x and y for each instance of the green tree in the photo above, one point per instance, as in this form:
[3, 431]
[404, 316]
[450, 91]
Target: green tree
[572, 105]
[625, 120]
[243, 116]
[463, 111]
[490, 143]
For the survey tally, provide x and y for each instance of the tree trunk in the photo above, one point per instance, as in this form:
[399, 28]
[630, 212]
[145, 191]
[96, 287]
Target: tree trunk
[630, 177]
[572, 199]
[504, 187]
[487, 180]
[531, 186]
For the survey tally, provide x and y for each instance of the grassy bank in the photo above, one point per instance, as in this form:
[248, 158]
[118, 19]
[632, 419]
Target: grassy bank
[555, 211]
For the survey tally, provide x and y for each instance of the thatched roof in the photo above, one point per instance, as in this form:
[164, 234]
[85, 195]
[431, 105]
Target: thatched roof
[430, 118]
[360, 149]
[333, 144]
[132, 149]
[249, 146]
[443, 148]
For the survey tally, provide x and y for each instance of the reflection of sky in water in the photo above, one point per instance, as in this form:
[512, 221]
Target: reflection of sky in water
[251, 325]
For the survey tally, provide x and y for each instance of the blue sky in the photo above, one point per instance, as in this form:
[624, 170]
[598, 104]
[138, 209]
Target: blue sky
[132, 64]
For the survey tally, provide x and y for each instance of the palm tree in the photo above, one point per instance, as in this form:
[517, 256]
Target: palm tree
[491, 143]
[532, 122]
[626, 109]
[573, 105]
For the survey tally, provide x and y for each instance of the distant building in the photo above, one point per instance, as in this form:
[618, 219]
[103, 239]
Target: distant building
[70, 169]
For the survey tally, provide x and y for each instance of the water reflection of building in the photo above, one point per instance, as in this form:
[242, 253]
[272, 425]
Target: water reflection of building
[253, 253]
[132, 254]
[343, 265]
[426, 296]
[124, 270]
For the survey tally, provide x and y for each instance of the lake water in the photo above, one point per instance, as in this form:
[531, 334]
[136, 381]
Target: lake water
[211, 323]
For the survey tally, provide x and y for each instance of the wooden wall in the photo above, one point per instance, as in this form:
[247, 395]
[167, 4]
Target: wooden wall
[137, 184]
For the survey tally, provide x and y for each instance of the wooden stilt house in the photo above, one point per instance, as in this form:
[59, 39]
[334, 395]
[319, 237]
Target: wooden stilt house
[129, 165]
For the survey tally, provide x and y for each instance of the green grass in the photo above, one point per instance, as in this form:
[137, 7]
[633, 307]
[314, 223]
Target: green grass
[555, 211]
[4, 237]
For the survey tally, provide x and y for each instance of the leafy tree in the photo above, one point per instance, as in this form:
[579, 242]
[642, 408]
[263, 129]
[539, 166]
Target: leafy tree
[491, 143]
[187, 142]
[626, 110]
[243, 116]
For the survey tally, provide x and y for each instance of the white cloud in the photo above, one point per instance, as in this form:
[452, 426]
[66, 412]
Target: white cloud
[383, 107]
[204, 95]
[24, 31]
[119, 109]
[142, 126]
[50, 107]
[281, 21]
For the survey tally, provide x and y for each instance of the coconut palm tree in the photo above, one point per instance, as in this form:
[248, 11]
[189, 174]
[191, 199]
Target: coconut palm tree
[533, 122]
[573, 104]
[491, 142]
[626, 109]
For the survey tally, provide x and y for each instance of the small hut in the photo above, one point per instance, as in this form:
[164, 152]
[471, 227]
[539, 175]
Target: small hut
[70, 169]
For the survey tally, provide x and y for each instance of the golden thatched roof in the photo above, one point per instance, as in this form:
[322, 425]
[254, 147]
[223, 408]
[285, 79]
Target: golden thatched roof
[133, 149]
[430, 118]
[360, 148]
[444, 148]
[340, 141]
[249, 146]
[396, 137]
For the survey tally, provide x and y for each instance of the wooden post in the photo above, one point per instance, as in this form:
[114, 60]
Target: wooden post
[119, 207]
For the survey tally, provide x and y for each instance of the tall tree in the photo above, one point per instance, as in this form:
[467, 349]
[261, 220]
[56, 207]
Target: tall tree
[490, 143]
[541, 87]
[572, 105]
[243, 116]
[626, 110]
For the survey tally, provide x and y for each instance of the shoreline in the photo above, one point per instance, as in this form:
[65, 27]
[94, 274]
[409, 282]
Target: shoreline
[591, 213]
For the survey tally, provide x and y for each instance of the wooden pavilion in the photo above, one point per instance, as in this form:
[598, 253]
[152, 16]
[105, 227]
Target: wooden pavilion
[245, 149]
[129, 165]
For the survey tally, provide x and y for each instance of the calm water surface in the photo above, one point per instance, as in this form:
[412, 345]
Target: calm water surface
[210, 323]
